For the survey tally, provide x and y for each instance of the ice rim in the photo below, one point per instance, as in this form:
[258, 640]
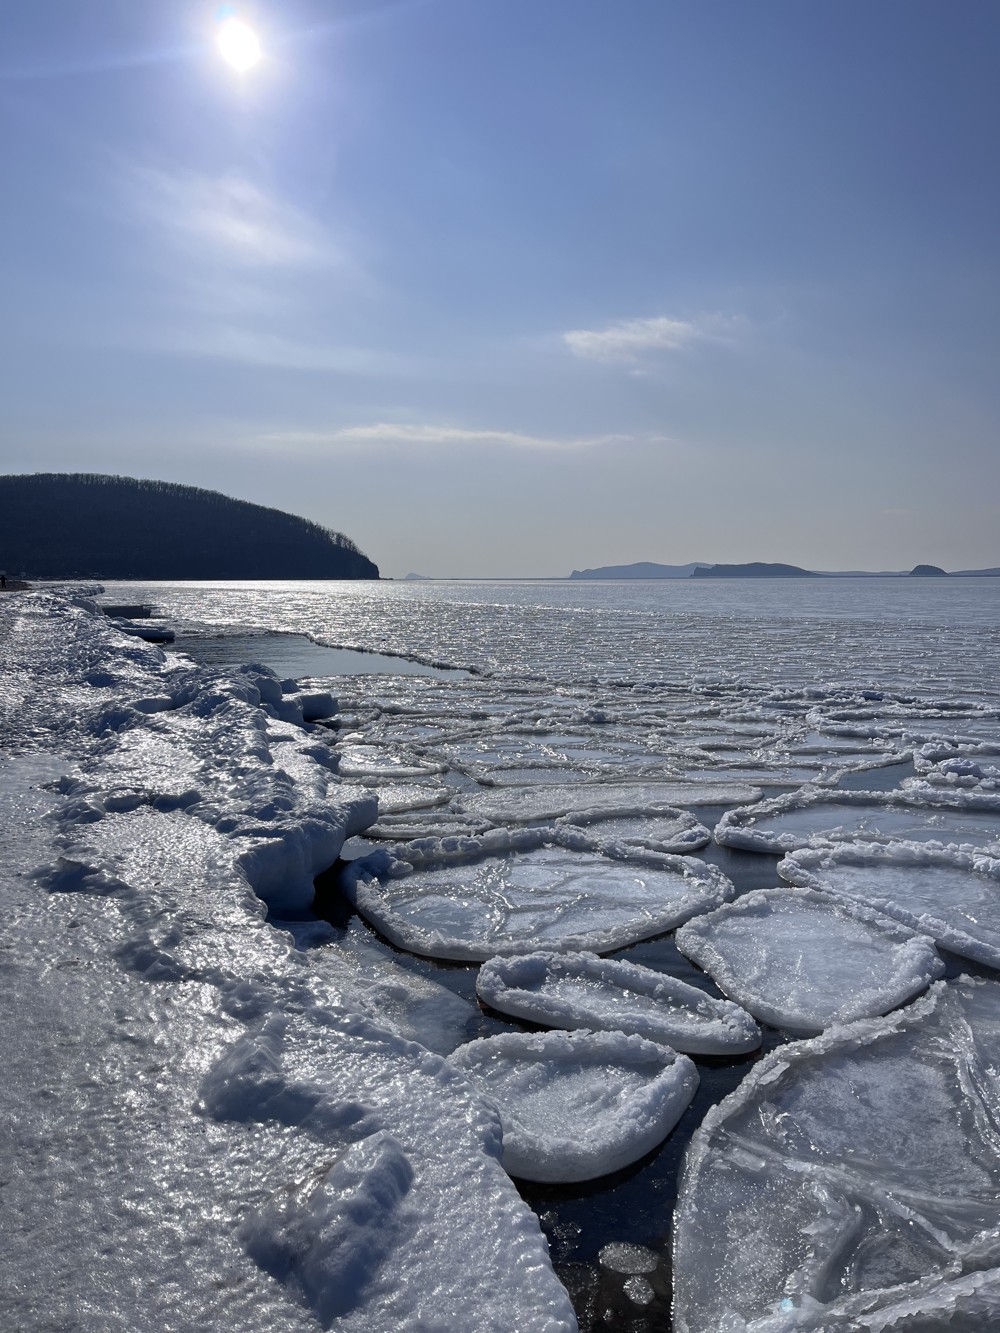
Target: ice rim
[691, 1021]
[975, 1293]
[633, 1127]
[915, 962]
[803, 868]
[737, 828]
[362, 880]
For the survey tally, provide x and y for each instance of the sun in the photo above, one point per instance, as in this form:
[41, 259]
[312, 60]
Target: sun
[238, 45]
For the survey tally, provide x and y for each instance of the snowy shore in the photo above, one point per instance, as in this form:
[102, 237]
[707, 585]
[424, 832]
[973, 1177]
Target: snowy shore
[204, 1127]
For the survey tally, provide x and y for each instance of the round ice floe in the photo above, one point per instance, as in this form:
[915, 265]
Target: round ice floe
[578, 1105]
[816, 816]
[849, 1182]
[580, 990]
[803, 960]
[660, 829]
[952, 896]
[468, 899]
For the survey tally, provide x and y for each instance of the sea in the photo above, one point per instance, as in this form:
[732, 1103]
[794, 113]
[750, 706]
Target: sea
[731, 689]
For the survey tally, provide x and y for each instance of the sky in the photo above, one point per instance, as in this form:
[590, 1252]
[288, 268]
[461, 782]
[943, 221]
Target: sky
[512, 287]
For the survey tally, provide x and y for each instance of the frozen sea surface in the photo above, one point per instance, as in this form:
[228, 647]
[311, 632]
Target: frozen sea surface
[608, 701]
[952, 896]
[803, 960]
[578, 1105]
[468, 907]
[852, 1182]
[580, 990]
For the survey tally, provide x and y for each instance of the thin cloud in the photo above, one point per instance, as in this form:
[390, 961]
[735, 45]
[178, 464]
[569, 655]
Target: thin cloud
[228, 219]
[385, 432]
[630, 339]
[248, 347]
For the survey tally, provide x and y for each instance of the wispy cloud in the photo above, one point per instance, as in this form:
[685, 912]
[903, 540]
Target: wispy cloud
[425, 435]
[630, 339]
[229, 219]
[249, 347]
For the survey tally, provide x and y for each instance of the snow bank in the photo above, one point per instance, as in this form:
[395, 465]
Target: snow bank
[578, 1105]
[207, 1127]
[803, 960]
[580, 990]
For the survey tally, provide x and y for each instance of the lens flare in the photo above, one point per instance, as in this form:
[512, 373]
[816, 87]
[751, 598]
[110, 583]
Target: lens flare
[238, 45]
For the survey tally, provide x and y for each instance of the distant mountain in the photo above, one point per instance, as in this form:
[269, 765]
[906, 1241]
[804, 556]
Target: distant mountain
[928, 572]
[756, 569]
[643, 570]
[417, 578]
[977, 573]
[56, 524]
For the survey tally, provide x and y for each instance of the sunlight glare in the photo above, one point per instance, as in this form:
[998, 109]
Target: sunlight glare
[238, 45]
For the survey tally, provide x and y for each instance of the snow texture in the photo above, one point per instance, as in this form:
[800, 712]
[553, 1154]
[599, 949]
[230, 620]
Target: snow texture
[804, 961]
[954, 897]
[202, 1125]
[852, 1182]
[578, 1105]
[813, 816]
[580, 990]
[467, 899]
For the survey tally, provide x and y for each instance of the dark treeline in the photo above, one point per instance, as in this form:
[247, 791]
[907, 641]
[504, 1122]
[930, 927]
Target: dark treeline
[57, 525]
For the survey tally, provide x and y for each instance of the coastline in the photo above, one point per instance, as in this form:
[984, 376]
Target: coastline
[219, 1108]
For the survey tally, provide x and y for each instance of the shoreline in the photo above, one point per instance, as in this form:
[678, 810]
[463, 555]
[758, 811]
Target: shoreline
[166, 805]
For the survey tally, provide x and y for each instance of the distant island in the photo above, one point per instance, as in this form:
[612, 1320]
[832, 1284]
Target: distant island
[757, 569]
[65, 525]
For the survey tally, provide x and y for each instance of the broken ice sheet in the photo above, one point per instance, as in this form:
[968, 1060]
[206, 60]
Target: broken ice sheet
[580, 990]
[803, 960]
[812, 816]
[578, 1105]
[851, 1180]
[466, 899]
[954, 897]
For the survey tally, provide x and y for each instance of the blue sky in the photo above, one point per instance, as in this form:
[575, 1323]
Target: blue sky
[505, 287]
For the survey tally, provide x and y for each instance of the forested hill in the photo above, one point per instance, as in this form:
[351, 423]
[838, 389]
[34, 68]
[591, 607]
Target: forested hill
[58, 524]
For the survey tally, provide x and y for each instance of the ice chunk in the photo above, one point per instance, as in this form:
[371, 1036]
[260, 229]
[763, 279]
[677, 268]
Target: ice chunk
[461, 902]
[803, 960]
[580, 990]
[813, 816]
[852, 1182]
[578, 1105]
[952, 896]
[658, 830]
[525, 805]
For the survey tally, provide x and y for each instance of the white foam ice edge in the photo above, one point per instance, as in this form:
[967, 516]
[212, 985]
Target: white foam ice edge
[238, 1142]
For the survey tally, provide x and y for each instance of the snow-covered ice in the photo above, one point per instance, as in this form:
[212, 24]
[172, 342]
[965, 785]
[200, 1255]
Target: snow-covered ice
[576, 1105]
[812, 816]
[580, 990]
[803, 960]
[467, 899]
[952, 896]
[203, 1126]
[852, 1182]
